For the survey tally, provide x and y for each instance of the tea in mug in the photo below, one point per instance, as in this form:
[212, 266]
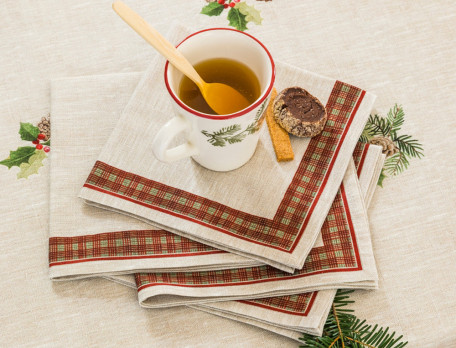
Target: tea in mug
[220, 70]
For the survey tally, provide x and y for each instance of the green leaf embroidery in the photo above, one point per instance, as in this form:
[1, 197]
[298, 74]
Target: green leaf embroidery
[377, 125]
[399, 148]
[33, 164]
[396, 164]
[237, 19]
[21, 155]
[28, 131]
[250, 12]
[409, 146]
[396, 118]
[212, 9]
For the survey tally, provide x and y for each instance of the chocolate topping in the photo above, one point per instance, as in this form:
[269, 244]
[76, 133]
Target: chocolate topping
[302, 105]
[299, 112]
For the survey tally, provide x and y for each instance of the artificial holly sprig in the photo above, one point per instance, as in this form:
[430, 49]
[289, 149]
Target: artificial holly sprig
[29, 158]
[239, 13]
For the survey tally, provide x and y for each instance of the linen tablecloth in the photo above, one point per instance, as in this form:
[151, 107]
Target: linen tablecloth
[403, 55]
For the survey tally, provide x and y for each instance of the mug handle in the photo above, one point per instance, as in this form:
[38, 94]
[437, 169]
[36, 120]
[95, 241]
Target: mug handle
[164, 137]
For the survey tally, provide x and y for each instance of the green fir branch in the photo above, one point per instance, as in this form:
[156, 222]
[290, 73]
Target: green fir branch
[396, 164]
[344, 329]
[409, 146]
[389, 127]
[252, 128]
[236, 138]
[396, 117]
[365, 136]
[377, 125]
[228, 130]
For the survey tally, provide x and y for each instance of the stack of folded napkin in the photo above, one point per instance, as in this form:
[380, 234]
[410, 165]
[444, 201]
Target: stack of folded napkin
[267, 244]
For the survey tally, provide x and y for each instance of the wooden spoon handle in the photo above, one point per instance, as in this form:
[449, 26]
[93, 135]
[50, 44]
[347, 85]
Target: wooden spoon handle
[154, 38]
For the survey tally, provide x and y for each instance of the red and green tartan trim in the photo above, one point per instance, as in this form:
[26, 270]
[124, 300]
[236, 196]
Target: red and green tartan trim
[339, 253]
[117, 245]
[301, 304]
[359, 155]
[123, 245]
[284, 230]
[294, 304]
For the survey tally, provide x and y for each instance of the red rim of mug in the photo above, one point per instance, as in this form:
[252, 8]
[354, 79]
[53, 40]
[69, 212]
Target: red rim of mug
[236, 114]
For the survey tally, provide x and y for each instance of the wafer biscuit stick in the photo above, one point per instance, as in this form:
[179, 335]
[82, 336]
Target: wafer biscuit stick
[279, 136]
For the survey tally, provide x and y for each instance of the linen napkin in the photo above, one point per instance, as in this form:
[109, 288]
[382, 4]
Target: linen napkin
[368, 160]
[86, 241]
[291, 316]
[265, 210]
[343, 258]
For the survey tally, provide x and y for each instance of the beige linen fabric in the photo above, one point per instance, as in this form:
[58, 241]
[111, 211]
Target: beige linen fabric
[286, 324]
[291, 326]
[262, 179]
[161, 294]
[402, 51]
[87, 109]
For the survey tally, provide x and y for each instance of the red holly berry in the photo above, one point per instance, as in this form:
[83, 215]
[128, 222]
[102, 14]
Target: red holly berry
[36, 141]
[47, 149]
[232, 4]
[225, 6]
[39, 146]
[221, 2]
[41, 136]
[236, 0]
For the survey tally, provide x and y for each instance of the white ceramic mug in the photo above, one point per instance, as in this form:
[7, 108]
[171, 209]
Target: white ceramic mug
[217, 142]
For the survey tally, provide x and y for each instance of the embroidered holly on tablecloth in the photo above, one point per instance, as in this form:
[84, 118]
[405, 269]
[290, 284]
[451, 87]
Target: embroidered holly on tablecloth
[239, 13]
[30, 158]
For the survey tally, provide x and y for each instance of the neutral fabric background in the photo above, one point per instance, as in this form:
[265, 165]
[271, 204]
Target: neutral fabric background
[403, 52]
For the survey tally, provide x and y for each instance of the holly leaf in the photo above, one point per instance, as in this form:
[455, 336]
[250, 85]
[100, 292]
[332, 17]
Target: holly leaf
[237, 19]
[21, 155]
[212, 9]
[28, 131]
[250, 12]
[33, 164]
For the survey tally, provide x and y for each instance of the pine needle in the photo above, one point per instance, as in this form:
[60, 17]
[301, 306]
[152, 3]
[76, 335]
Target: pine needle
[343, 329]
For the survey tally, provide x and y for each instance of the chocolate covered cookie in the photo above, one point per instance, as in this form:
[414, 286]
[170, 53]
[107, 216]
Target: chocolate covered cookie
[299, 112]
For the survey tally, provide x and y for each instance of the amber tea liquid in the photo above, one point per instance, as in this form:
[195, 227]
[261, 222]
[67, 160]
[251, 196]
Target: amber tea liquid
[221, 70]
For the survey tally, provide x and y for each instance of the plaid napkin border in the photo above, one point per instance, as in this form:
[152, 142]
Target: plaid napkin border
[85, 241]
[344, 259]
[282, 240]
[290, 316]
